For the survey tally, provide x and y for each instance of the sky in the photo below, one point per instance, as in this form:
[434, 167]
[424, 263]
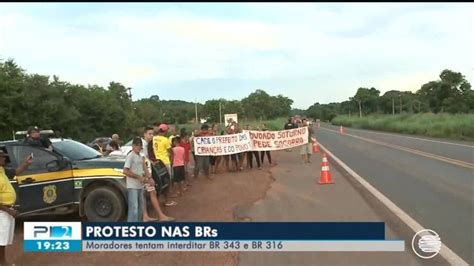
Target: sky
[309, 52]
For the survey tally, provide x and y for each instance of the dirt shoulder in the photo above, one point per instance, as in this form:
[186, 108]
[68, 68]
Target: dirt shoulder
[206, 201]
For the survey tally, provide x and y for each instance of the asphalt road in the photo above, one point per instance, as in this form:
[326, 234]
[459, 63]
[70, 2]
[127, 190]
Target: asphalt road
[296, 196]
[431, 180]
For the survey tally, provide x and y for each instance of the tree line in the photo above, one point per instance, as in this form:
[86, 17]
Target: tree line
[452, 93]
[87, 112]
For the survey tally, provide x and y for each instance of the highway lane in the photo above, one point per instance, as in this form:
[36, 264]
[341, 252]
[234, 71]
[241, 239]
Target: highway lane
[436, 193]
[458, 150]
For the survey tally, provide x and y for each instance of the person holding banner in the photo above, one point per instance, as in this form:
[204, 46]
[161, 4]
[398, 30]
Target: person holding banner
[251, 154]
[232, 128]
[290, 125]
[191, 141]
[306, 149]
[262, 153]
[202, 163]
[214, 159]
[241, 155]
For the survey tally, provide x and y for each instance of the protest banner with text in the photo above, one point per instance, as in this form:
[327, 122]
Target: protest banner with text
[278, 140]
[222, 145]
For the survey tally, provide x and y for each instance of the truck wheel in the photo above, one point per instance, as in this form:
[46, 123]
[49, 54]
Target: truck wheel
[104, 204]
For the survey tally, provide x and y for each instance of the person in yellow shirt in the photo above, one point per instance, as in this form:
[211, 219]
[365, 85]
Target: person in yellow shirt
[7, 201]
[163, 152]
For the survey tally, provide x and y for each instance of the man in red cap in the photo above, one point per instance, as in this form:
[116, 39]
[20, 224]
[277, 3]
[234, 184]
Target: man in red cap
[162, 151]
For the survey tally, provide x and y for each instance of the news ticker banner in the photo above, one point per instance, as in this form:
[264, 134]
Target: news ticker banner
[250, 140]
[228, 236]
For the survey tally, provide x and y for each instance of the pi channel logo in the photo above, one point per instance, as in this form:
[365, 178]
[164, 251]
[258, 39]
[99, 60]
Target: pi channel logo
[52, 230]
[426, 244]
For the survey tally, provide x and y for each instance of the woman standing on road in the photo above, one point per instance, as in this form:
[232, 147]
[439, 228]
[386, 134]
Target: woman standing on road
[232, 128]
[251, 154]
[262, 153]
[215, 160]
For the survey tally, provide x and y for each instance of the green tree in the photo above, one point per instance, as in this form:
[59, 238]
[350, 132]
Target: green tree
[257, 105]
[452, 93]
[366, 100]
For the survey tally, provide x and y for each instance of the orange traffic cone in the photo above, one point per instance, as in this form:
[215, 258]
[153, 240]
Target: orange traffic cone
[325, 177]
[341, 130]
[315, 146]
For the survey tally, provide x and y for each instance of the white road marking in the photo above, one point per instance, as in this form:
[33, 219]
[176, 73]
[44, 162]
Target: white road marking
[445, 252]
[417, 152]
[402, 136]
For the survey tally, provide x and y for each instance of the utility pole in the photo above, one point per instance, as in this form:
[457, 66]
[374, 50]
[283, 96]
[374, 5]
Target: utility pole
[393, 106]
[196, 110]
[400, 104]
[220, 113]
[360, 108]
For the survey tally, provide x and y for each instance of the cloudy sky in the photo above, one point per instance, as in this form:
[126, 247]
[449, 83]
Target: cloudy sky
[310, 52]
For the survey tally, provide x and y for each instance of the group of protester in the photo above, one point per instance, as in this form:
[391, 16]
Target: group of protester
[159, 148]
[233, 162]
[172, 151]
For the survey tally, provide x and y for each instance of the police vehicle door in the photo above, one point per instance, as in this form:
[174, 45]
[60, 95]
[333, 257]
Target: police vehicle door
[45, 184]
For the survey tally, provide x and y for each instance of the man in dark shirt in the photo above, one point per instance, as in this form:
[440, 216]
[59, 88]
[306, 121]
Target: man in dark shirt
[34, 139]
[290, 125]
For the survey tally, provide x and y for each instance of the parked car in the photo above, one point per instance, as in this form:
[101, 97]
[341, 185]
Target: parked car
[72, 178]
[127, 147]
[99, 144]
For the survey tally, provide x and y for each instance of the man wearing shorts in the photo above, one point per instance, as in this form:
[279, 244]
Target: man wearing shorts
[306, 149]
[162, 151]
[7, 201]
[150, 187]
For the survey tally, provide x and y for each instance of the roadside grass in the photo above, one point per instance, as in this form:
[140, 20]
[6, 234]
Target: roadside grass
[442, 125]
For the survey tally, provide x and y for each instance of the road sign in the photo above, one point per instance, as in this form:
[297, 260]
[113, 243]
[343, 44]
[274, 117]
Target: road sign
[227, 118]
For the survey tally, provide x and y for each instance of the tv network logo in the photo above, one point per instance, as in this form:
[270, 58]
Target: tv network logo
[52, 231]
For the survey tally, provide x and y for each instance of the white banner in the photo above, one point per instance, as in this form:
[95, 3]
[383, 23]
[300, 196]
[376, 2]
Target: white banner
[250, 140]
[278, 140]
[222, 145]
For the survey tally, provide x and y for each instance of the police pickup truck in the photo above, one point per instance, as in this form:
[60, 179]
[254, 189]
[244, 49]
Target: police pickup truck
[73, 177]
